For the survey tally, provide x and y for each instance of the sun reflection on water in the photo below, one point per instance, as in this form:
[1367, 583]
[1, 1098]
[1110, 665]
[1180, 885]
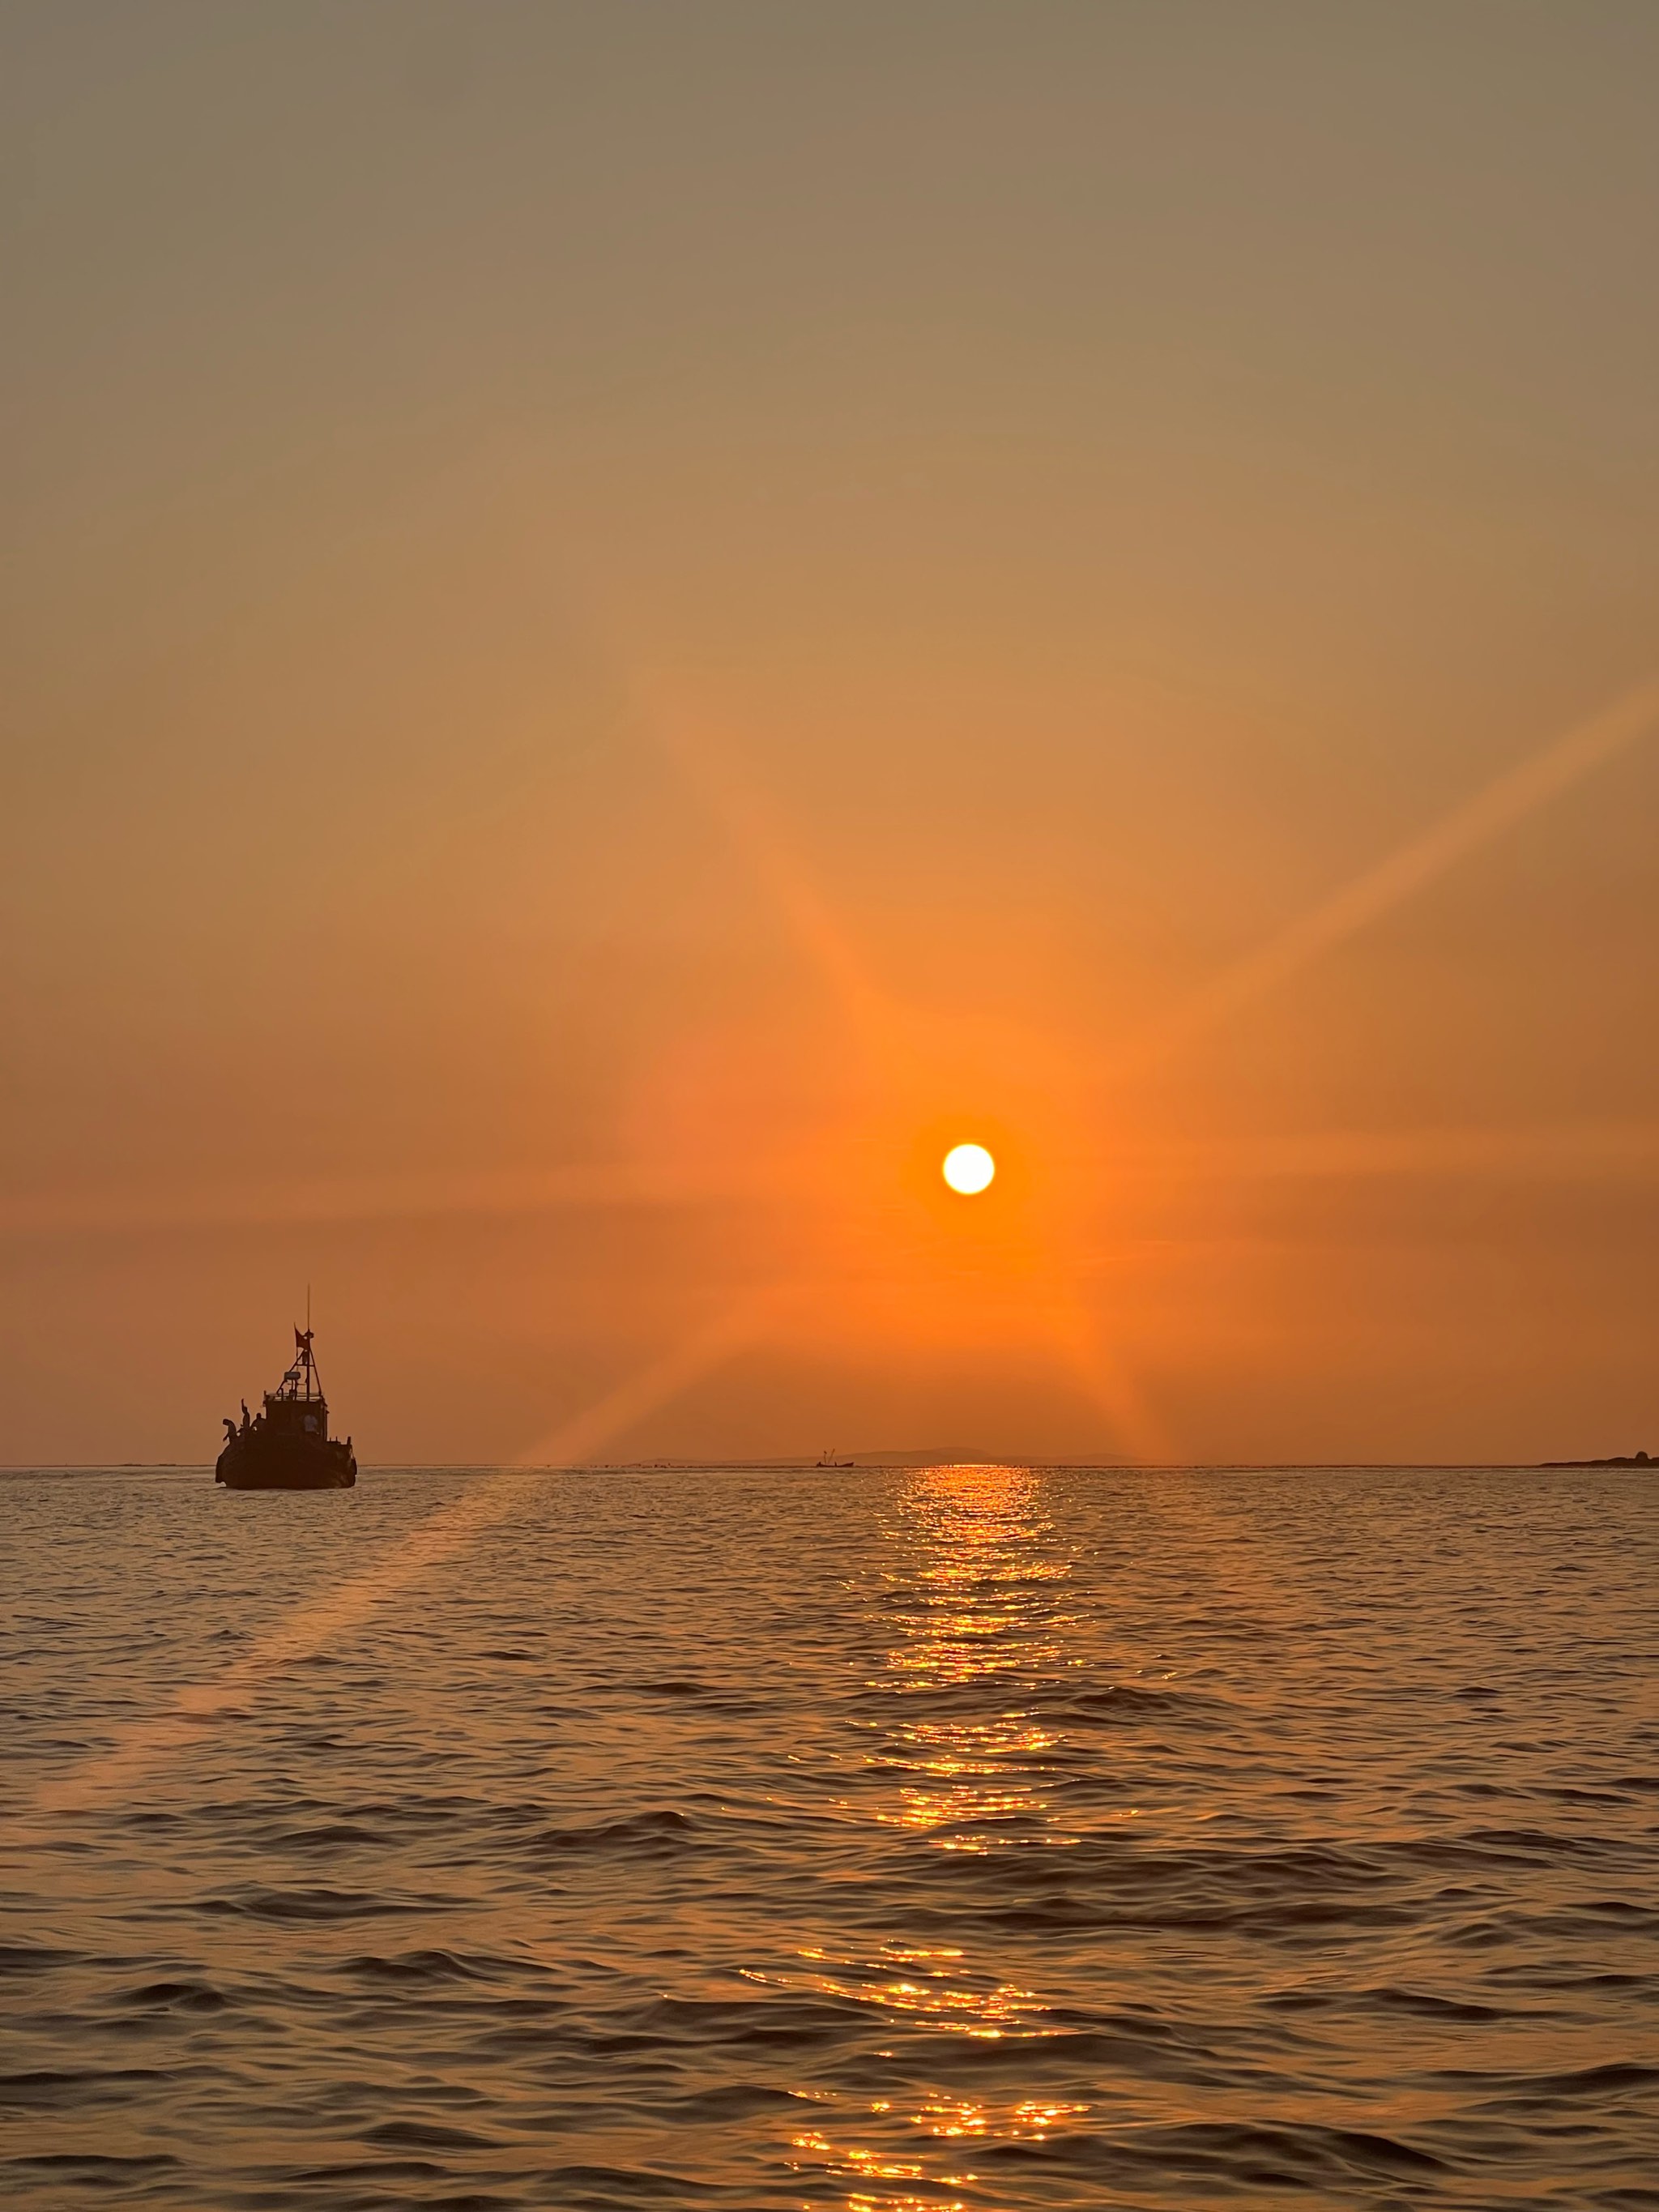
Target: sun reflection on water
[976, 1602]
[933, 1986]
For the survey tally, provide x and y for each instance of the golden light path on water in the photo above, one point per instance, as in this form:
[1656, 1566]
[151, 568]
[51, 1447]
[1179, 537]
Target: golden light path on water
[978, 1601]
[977, 1594]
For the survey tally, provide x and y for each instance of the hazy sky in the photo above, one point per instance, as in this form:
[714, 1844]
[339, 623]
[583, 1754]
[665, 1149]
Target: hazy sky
[620, 620]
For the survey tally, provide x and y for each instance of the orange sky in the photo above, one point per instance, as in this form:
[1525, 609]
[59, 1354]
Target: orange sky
[622, 623]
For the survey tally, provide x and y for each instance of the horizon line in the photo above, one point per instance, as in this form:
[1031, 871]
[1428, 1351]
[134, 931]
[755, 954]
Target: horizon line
[872, 1463]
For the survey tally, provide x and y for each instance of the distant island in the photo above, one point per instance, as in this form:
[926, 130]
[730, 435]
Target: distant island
[1631, 1459]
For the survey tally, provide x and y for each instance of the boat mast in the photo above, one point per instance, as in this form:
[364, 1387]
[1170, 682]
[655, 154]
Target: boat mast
[303, 1380]
[313, 1380]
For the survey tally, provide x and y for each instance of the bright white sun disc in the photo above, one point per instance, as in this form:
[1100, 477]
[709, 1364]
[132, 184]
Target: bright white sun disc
[968, 1168]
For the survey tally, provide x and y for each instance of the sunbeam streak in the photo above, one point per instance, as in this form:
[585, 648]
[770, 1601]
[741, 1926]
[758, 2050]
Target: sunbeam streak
[319, 1200]
[734, 800]
[342, 1610]
[1506, 801]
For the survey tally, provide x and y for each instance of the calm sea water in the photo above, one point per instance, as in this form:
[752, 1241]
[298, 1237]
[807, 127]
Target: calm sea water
[978, 1837]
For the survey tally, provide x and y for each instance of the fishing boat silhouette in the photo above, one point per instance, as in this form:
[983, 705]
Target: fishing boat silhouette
[287, 1446]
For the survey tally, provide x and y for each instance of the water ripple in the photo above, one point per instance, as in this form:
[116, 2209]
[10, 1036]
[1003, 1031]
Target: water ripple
[983, 1838]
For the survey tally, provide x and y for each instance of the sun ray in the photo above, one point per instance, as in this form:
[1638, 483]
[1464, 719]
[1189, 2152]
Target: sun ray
[1099, 1367]
[1583, 1151]
[732, 797]
[1503, 803]
[339, 1611]
[321, 1199]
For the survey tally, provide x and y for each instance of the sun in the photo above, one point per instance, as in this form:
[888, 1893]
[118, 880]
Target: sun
[968, 1168]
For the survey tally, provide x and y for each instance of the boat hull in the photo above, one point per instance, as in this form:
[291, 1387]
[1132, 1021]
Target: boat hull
[256, 1460]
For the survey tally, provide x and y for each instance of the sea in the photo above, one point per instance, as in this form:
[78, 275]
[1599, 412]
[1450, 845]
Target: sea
[967, 1836]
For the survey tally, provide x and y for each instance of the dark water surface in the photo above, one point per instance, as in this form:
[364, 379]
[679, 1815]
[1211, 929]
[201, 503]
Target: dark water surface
[977, 1837]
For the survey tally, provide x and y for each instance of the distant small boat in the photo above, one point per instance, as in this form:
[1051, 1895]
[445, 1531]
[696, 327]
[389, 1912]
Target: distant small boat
[287, 1446]
[827, 1458]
